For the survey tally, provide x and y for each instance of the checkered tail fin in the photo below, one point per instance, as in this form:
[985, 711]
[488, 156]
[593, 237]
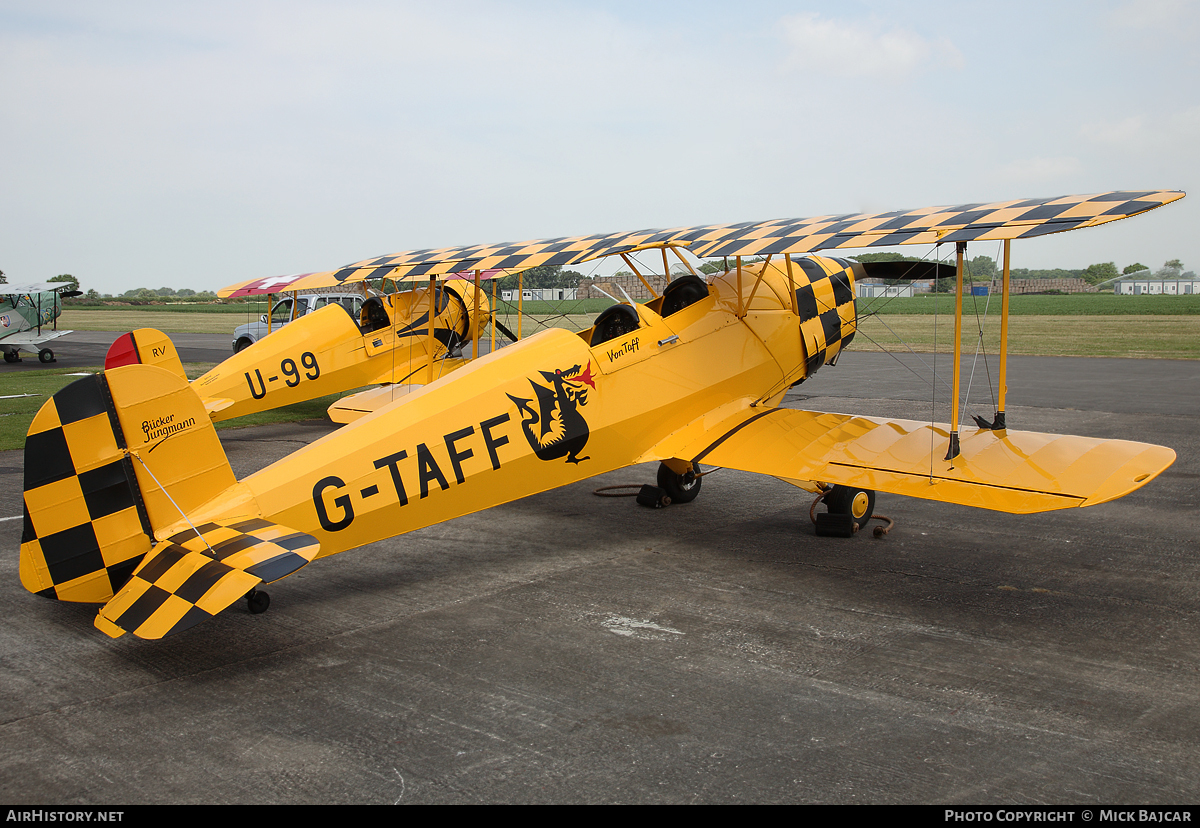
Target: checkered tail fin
[115, 465]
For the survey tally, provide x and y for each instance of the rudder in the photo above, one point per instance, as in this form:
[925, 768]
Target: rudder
[144, 346]
[109, 459]
[86, 527]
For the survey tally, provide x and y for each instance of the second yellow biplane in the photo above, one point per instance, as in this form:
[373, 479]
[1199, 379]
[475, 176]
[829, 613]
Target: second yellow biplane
[131, 503]
[400, 341]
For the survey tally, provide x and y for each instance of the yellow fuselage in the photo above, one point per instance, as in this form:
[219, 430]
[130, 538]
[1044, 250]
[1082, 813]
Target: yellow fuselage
[329, 352]
[554, 409]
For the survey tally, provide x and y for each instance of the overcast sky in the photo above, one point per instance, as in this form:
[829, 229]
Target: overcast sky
[199, 144]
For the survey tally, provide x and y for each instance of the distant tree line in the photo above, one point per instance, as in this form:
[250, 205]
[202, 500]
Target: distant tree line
[984, 268]
[980, 268]
[135, 296]
[547, 276]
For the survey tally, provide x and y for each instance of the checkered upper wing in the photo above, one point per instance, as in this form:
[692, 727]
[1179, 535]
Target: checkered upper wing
[1017, 219]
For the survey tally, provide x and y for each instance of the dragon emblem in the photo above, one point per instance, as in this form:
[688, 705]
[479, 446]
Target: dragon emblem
[557, 429]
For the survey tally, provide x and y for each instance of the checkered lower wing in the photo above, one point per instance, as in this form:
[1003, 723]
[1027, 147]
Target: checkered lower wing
[189, 578]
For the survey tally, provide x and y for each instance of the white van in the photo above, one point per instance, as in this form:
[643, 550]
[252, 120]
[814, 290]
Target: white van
[283, 312]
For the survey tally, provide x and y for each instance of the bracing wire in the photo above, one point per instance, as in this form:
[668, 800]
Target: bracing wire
[980, 345]
[933, 390]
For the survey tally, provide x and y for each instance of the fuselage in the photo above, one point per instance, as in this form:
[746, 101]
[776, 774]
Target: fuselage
[329, 352]
[27, 311]
[556, 408]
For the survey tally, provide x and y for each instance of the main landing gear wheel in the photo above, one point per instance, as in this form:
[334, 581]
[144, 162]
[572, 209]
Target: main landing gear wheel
[681, 488]
[46, 355]
[257, 601]
[12, 356]
[850, 500]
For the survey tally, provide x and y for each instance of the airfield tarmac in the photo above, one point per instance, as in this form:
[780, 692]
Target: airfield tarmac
[80, 349]
[572, 648]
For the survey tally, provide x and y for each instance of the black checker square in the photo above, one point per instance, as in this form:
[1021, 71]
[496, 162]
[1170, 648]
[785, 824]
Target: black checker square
[1042, 212]
[1056, 226]
[235, 545]
[251, 525]
[202, 580]
[897, 237]
[831, 324]
[1121, 209]
[53, 455]
[191, 618]
[161, 562]
[297, 540]
[120, 573]
[81, 399]
[842, 292]
[275, 568]
[106, 490]
[806, 303]
[966, 217]
[190, 534]
[847, 338]
[812, 270]
[814, 362]
[28, 533]
[141, 609]
[72, 553]
[1125, 196]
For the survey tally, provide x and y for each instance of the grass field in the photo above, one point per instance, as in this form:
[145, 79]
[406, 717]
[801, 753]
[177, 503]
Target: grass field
[1086, 325]
[1075, 304]
[1139, 337]
[128, 319]
[1079, 325]
[242, 308]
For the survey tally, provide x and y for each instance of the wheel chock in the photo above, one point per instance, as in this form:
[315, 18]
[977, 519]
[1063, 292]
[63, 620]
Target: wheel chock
[653, 497]
[830, 525]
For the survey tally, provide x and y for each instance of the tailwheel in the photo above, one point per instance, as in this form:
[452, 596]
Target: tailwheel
[46, 355]
[681, 488]
[257, 601]
[858, 503]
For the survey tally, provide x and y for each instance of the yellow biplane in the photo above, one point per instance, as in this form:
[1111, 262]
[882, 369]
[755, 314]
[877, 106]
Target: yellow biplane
[401, 341]
[131, 503]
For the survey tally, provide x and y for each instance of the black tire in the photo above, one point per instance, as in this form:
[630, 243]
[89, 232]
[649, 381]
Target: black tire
[853, 501]
[258, 601]
[242, 345]
[46, 355]
[681, 488]
[12, 356]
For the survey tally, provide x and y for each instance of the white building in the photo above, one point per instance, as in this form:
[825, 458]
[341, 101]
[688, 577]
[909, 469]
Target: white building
[539, 294]
[870, 290]
[1145, 283]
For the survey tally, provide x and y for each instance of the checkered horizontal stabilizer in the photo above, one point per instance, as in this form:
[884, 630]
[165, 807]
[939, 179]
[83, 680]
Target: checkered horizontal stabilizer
[196, 573]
